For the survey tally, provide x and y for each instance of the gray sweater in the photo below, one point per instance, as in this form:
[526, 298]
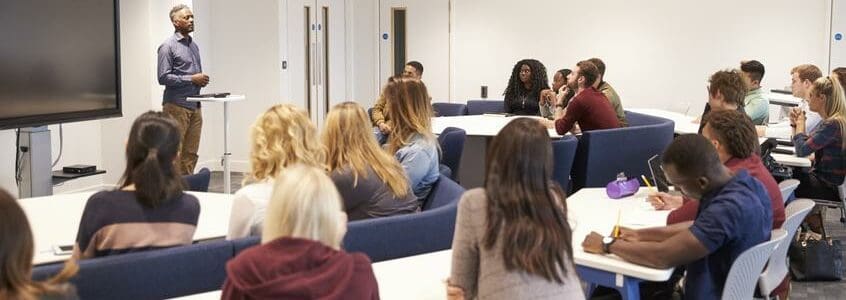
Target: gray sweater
[371, 197]
[481, 272]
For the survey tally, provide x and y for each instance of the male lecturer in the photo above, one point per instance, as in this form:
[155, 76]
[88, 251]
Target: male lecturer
[180, 71]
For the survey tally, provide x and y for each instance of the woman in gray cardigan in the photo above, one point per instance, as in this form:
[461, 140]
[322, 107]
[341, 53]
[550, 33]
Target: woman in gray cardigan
[512, 239]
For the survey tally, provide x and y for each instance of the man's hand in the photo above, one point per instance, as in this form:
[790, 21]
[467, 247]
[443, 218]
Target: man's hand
[200, 79]
[664, 201]
[454, 292]
[593, 243]
[547, 97]
[629, 235]
[385, 128]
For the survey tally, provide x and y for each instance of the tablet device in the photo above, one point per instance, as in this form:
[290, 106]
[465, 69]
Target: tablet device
[62, 250]
[658, 176]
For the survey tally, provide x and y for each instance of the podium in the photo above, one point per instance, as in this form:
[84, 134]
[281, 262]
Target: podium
[227, 173]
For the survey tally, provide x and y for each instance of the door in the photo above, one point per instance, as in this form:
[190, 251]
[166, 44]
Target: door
[316, 60]
[416, 30]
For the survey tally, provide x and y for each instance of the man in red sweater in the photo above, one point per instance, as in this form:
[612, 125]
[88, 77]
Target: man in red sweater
[589, 107]
[734, 136]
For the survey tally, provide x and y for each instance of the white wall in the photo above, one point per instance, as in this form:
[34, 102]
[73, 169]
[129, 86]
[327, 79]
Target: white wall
[658, 55]
[364, 60]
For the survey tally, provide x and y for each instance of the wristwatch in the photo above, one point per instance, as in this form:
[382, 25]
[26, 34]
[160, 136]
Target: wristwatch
[606, 244]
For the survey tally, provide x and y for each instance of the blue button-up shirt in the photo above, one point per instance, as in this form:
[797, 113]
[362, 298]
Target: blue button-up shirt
[731, 219]
[179, 58]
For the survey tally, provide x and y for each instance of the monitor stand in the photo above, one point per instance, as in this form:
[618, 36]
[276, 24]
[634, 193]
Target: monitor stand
[36, 162]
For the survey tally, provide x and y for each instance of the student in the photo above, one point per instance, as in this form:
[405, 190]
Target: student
[840, 74]
[413, 69]
[150, 209]
[412, 141]
[757, 106]
[300, 255]
[554, 101]
[589, 107]
[282, 136]
[525, 86]
[826, 142]
[17, 248]
[371, 182]
[733, 135]
[734, 215]
[520, 202]
[726, 91]
[602, 86]
[802, 77]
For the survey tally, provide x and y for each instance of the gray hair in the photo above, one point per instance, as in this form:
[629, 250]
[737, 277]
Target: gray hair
[177, 9]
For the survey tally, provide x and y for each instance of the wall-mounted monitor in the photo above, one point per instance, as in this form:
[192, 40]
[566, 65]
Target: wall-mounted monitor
[59, 61]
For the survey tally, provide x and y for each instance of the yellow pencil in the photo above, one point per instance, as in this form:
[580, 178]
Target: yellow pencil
[616, 232]
[648, 185]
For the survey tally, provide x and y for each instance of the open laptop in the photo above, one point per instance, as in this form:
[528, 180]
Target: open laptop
[658, 176]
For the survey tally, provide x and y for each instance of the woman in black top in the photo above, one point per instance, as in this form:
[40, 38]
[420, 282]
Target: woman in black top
[528, 81]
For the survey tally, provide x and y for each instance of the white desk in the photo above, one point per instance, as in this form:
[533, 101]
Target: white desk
[55, 220]
[479, 125]
[684, 124]
[790, 160]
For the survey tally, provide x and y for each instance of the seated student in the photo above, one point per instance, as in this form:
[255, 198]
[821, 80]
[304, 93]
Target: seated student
[589, 107]
[17, 248]
[609, 92]
[734, 215]
[379, 117]
[802, 78]
[371, 182]
[827, 143]
[726, 91]
[527, 83]
[413, 69]
[282, 136]
[300, 255]
[412, 141]
[755, 104]
[733, 135]
[840, 74]
[520, 202]
[150, 210]
[555, 100]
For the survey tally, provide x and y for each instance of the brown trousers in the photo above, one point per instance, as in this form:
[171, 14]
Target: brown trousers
[190, 126]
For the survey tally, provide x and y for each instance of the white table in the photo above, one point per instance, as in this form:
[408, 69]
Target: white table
[790, 160]
[684, 124]
[480, 130]
[55, 220]
[227, 175]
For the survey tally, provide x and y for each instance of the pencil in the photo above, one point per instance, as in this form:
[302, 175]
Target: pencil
[616, 232]
[647, 182]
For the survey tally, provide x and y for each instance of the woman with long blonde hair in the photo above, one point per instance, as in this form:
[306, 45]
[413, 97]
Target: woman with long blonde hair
[411, 140]
[300, 254]
[371, 182]
[283, 135]
[827, 142]
[17, 248]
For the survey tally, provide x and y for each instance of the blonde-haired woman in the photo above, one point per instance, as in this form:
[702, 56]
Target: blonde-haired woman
[300, 254]
[371, 182]
[827, 142]
[282, 136]
[411, 139]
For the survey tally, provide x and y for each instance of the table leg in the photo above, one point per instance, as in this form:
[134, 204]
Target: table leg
[227, 179]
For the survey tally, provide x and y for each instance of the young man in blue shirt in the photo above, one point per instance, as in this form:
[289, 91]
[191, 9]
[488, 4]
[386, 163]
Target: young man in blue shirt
[734, 215]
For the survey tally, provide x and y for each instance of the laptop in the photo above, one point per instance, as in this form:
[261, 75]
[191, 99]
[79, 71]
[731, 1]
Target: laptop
[658, 176]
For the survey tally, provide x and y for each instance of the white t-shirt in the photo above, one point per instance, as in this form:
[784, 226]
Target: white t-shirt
[248, 209]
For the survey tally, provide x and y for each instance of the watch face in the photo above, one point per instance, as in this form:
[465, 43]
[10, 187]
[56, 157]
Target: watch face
[607, 240]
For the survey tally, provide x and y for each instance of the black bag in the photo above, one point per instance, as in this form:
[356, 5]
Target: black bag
[815, 259]
[769, 162]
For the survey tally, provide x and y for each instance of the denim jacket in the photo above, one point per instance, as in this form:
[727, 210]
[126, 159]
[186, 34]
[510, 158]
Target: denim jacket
[420, 160]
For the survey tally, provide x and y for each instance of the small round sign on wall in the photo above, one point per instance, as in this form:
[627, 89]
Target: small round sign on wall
[838, 36]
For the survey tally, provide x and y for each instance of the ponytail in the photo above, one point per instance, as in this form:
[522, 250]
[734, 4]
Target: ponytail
[151, 151]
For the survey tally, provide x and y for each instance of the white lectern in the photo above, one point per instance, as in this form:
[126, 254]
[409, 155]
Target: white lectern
[227, 175]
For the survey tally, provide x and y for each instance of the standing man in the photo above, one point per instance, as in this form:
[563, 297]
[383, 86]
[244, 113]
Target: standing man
[756, 105]
[602, 86]
[180, 71]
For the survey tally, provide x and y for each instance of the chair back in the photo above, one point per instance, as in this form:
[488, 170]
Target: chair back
[563, 151]
[601, 154]
[776, 269]
[444, 109]
[242, 244]
[452, 145]
[787, 187]
[478, 107]
[198, 182]
[746, 269]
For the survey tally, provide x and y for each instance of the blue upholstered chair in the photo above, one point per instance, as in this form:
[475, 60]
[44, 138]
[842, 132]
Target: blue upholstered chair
[452, 145]
[242, 244]
[443, 109]
[155, 274]
[478, 107]
[563, 151]
[410, 234]
[602, 154]
[198, 182]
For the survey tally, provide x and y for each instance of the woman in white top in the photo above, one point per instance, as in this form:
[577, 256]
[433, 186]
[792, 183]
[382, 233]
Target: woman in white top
[281, 137]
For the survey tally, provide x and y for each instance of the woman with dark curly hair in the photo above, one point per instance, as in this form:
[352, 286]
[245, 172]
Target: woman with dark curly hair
[527, 83]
